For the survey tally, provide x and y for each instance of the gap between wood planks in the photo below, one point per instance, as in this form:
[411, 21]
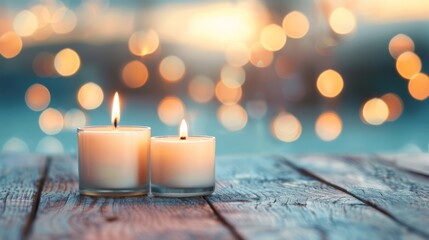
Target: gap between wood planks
[405, 169]
[369, 203]
[229, 226]
[44, 174]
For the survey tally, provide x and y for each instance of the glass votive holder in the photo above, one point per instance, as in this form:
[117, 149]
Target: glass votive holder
[114, 161]
[182, 167]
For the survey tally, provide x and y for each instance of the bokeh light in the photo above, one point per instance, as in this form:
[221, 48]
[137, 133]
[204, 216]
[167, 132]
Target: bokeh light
[227, 95]
[408, 64]
[37, 97]
[399, 44]
[256, 108]
[286, 127]
[232, 117]
[171, 110]
[342, 21]
[237, 54]
[90, 96]
[201, 89]
[295, 24]
[51, 121]
[67, 62]
[328, 126]
[143, 43]
[74, 118]
[375, 111]
[50, 145]
[232, 77]
[172, 68]
[330, 83]
[43, 64]
[394, 104]
[259, 56]
[10, 44]
[63, 21]
[15, 145]
[418, 86]
[42, 14]
[135, 74]
[273, 37]
[25, 23]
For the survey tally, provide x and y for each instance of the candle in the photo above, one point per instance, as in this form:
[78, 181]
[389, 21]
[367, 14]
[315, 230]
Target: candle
[183, 166]
[114, 160]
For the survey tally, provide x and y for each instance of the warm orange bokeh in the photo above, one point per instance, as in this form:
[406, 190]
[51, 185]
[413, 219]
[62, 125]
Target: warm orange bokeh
[172, 68]
[135, 74]
[10, 44]
[171, 110]
[272, 38]
[418, 86]
[395, 105]
[233, 77]
[295, 24]
[25, 23]
[259, 56]
[201, 89]
[227, 95]
[408, 64]
[67, 62]
[330, 83]
[286, 127]
[342, 21]
[90, 96]
[232, 117]
[37, 97]
[51, 121]
[328, 126]
[399, 44]
[142, 43]
[375, 111]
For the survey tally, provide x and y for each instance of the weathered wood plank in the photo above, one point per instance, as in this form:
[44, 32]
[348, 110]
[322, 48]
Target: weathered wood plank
[398, 194]
[20, 178]
[64, 214]
[263, 198]
[415, 163]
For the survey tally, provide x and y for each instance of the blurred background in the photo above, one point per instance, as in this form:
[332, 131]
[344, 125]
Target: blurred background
[268, 76]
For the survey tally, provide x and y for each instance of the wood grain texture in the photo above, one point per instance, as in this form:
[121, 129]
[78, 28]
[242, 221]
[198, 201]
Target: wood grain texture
[20, 178]
[64, 214]
[400, 195]
[415, 163]
[263, 198]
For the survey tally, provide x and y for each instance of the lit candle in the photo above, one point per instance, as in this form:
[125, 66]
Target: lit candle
[114, 160]
[183, 166]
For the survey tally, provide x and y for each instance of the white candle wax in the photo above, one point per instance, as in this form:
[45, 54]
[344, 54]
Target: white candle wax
[113, 158]
[183, 163]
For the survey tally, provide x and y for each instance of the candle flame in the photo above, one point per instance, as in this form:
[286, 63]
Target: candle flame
[116, 115]
[183, 130]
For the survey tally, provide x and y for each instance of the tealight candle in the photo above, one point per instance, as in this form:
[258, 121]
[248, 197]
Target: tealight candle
[113, 160]
[183, 166]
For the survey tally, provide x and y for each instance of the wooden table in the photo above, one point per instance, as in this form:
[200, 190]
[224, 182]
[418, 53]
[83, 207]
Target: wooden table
[256, 197]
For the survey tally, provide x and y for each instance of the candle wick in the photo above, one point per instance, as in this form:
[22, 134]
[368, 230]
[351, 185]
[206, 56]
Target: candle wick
[182, 138]
[115, 122]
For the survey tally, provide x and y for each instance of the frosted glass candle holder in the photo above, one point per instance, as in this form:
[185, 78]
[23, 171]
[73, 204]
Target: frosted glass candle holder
[114, 161]
[182, 167]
